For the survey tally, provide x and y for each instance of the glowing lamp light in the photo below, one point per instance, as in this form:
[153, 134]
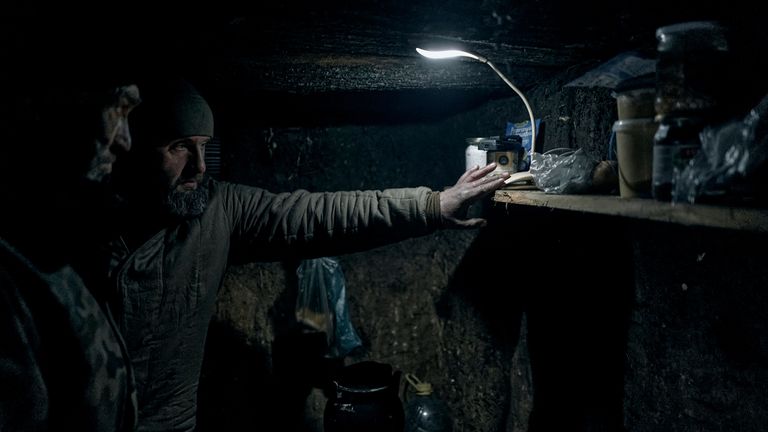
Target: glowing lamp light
[445, 54]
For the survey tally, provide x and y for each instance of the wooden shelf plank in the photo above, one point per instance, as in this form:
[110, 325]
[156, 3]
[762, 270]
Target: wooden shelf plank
[739, 218]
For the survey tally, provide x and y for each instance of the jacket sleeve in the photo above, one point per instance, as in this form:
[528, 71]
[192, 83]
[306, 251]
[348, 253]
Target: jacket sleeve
[302, 224]
[23, 400]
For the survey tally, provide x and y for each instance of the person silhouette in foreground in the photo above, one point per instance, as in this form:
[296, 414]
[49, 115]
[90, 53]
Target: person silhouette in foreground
[63, 364]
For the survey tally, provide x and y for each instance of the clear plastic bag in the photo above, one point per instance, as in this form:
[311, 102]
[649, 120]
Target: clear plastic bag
[321, 304]
[563, 171]
[731, 163]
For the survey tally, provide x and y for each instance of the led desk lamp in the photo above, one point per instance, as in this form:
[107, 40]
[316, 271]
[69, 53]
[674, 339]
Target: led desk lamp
[456, 53]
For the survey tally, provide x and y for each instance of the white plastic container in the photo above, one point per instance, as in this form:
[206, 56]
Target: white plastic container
[473, 156]
[634, 151]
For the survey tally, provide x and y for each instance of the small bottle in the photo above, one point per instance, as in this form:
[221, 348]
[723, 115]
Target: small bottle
[425, 412]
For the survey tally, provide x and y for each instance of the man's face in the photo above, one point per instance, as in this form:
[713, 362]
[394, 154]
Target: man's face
[113, 136]
[183, 166]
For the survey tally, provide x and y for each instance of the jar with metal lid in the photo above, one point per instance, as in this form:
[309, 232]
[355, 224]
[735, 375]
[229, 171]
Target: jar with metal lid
[675, 143]
[692, 70]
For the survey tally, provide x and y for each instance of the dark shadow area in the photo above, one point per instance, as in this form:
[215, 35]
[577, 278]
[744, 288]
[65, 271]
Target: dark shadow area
[572, 277]
[244, 386]
[700, 313]
[236, 386]
[578, 317]
[241, 387]
[341, 108]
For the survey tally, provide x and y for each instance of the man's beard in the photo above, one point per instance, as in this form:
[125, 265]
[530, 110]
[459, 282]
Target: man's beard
[187, 204]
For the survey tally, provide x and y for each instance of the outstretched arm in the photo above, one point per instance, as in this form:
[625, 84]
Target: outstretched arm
[474, 185]
[267, 226]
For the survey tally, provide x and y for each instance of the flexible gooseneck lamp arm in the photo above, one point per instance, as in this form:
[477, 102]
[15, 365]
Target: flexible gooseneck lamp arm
[456, 53]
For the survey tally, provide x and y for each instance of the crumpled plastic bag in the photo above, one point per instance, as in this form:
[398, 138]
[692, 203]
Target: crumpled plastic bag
[563, 171]
[732, 163]
[321, 304]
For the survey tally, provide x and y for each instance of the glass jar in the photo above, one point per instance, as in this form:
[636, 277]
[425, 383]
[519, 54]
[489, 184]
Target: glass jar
[424, 411]
[692, 70]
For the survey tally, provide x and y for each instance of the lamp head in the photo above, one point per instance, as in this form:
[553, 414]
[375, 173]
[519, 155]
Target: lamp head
[444, 54]
[457, 53]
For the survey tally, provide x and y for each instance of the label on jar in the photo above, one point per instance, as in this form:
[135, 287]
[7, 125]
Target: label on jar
[676, 142]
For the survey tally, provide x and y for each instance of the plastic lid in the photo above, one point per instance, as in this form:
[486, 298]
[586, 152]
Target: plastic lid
[480, 140]
[506, 143]
[420, 387]
[645, 81]
[692, 36]
[625, 124]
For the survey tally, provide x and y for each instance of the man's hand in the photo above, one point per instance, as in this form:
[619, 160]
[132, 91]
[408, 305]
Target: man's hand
[472, 186]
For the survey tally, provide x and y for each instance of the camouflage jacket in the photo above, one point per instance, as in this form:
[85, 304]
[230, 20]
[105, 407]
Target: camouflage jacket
[63, 366]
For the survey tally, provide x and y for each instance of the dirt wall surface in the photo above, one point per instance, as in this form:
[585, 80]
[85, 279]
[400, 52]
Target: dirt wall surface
[697, 353]
[406, 300]
[542, 321]
[605, 324]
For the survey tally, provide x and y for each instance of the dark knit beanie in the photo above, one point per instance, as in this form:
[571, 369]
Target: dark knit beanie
[171, 110]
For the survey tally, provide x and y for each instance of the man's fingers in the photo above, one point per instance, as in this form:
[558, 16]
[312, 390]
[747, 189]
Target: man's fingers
[476, 172]
[484, 186]
[496, 178]
[467, 173]
[482, 172]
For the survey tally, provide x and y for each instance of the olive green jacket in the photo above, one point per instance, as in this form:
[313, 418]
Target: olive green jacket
[167, 288]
